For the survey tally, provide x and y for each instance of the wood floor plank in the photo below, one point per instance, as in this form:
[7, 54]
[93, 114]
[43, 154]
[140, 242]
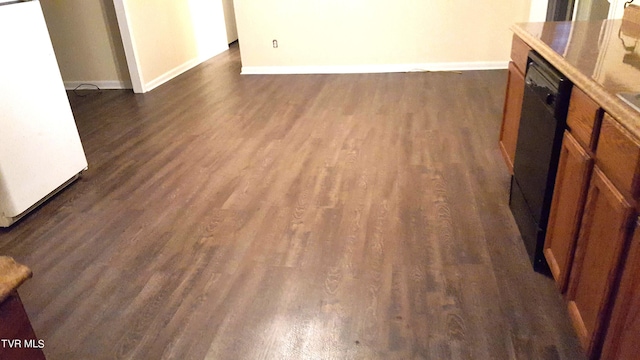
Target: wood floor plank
[356, 216]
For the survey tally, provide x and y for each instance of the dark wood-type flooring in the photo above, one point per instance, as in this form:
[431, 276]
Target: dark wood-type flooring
[289, 217]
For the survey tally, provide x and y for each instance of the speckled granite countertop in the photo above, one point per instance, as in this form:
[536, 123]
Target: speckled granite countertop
[12, 275]
[599, 57]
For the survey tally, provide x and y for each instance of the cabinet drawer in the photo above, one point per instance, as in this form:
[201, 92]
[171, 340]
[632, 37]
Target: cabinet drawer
[584, 119]
[618, 155]
[519, 53]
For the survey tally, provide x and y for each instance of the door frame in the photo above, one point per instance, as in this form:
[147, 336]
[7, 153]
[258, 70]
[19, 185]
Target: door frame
[129, 46]
[558, 10]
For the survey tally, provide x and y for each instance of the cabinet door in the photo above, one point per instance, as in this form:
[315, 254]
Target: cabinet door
[621, 341]
[603, 234]
[14, 324]
[570, 192]
[511, 115]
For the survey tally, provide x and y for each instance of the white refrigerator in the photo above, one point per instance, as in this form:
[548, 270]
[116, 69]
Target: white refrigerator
[40, 149]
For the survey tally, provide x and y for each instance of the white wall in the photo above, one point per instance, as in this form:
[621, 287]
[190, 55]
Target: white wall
[87, 42]
[538, 10]
[375, 35]
[164, 38]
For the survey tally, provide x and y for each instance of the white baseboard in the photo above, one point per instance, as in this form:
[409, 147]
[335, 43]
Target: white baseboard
[171, 74]
[363, 69]
[102, 84]
[181, 69]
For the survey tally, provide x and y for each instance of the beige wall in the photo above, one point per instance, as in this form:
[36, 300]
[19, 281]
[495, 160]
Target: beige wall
[87, 42]
[352, 33]
[164, 38]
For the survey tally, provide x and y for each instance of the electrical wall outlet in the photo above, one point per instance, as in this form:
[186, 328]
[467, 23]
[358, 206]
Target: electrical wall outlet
[275, 44]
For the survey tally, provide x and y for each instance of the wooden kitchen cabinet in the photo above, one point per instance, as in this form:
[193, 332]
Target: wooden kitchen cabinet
[513, 101]
[594, 212]
[603, 236]
[572, 181]
[570, 192]
[519, 53]
[511, 115]
[618, 156]
[621, 341]
[584, 119]
[15, 327]
[15, 324]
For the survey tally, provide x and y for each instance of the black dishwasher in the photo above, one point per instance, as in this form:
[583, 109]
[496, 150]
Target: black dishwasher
[542, 124]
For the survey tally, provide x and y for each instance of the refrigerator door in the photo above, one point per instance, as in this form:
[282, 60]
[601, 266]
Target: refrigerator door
[40, 148]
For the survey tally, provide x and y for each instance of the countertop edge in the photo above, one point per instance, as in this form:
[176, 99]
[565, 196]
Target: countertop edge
[12, 275]
[614, 106]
